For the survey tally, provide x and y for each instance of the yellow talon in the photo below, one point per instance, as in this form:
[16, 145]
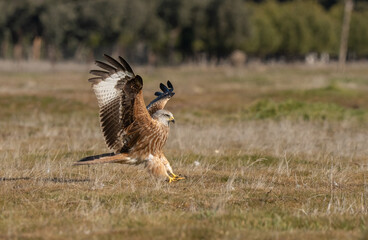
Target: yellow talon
[175, 178]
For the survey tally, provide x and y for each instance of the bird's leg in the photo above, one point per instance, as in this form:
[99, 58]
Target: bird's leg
[172, 176]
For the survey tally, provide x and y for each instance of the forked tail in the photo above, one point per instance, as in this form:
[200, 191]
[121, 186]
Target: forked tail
[105, 158]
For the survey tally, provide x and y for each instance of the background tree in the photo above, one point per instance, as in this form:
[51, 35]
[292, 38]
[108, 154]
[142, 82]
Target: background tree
[227, 27]
[173, 31]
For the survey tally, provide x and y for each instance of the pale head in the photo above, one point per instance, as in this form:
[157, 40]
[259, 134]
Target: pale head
[163, 116]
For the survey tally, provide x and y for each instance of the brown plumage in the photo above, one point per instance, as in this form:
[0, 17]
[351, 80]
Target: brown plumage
[136, 133]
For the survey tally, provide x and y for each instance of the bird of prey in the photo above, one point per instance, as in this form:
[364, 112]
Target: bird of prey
[136, 133]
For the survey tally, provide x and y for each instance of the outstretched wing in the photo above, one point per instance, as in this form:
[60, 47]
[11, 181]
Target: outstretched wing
[119, 95]
[162, 98]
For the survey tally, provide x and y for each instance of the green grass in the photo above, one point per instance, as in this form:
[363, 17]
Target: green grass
[268, 109]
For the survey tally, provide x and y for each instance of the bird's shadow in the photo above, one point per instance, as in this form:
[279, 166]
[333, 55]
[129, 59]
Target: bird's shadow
[55, 179]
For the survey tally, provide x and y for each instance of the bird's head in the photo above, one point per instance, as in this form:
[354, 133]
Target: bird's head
[163, 116]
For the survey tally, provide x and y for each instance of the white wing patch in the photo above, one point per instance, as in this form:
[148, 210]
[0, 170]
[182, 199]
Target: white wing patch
[105, 93]
[108, 87]
[106, 90]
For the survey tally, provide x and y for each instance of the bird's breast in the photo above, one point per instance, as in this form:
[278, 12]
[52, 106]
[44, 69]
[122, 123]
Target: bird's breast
[152, 142]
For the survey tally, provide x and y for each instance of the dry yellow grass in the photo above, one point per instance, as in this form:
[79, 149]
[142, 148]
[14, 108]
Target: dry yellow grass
[292, 167]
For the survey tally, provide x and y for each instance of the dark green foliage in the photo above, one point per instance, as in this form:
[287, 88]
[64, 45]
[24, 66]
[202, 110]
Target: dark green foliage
[291, 29]
[359, 34]
[265, 37]
[175, 31]
[226, 26]
[292, 109]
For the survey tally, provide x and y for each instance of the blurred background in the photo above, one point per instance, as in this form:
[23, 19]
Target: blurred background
[174, 31]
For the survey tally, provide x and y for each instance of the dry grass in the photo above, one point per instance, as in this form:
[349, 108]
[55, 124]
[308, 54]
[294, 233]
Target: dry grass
[289, 167]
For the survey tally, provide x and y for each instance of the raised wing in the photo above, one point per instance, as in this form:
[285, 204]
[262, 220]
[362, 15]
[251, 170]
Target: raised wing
[119, 95]
[162, 98]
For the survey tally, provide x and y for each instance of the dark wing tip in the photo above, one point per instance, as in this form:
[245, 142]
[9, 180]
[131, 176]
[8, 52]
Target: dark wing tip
[105, 66]
[100, 73]
[126, 65]
[162, 97]
[107, 56]
[169, 84]
[163, 88]
[166, 91]
[115, 63]
[95, 80]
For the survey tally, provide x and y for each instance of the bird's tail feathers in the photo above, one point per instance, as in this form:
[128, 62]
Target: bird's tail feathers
[105, 158]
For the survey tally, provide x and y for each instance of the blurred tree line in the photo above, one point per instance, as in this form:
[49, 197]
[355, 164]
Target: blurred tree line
[175, 31]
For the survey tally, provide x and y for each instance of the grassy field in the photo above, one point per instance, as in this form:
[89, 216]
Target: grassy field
[270, 152]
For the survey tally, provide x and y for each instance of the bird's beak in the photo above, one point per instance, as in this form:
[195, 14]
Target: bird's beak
[171, 119]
